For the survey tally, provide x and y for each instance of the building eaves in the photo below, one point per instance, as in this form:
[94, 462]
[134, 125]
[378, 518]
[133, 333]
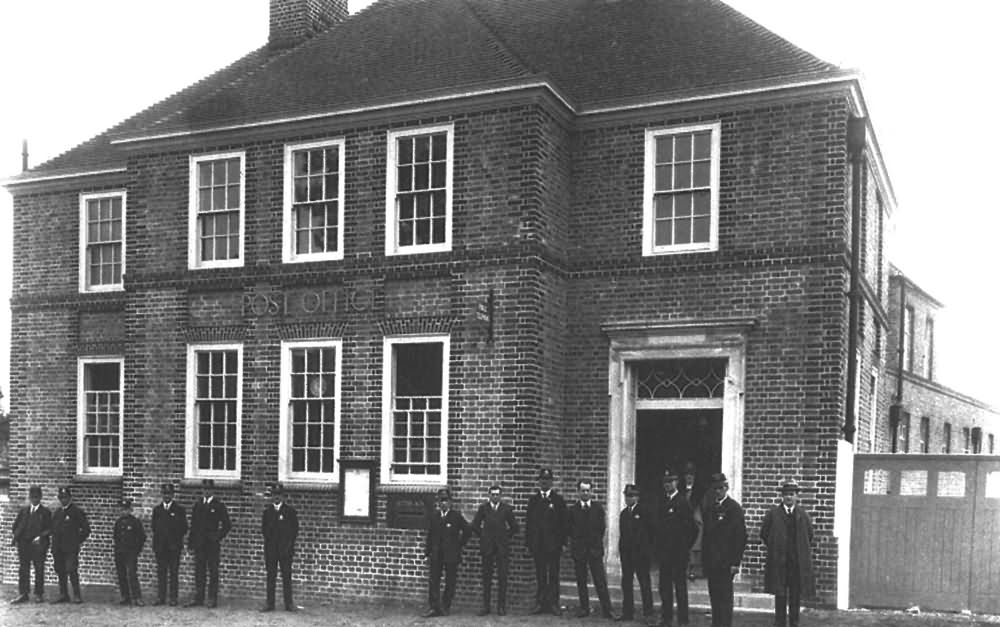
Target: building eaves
[895, 274]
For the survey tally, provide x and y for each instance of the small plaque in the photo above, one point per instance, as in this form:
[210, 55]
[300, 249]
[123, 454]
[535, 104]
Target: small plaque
[409, 511]
[357, 491]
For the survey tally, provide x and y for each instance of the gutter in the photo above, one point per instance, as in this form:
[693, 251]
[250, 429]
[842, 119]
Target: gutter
[856, 132]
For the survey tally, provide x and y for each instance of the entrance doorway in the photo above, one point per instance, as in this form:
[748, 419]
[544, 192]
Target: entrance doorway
[672, 437]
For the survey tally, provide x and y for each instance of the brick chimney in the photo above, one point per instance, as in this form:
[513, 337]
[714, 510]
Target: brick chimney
[294, 21]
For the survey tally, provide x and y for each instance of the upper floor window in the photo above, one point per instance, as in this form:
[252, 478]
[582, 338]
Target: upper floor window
[681, 200]
[419, 190]
[977, 440]
[925, 435]
[929, 348]
[214, 406]
[99, 442]
[946, 438]
[314, 201]
[310, 410]
[415, 402]
[908, 338]
[215, 228]
[966, 440]
[102, 241]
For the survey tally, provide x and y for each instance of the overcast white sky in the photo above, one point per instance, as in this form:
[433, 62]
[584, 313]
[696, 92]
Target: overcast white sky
[72, 69]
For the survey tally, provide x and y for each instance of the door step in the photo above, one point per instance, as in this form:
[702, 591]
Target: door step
[698, 597]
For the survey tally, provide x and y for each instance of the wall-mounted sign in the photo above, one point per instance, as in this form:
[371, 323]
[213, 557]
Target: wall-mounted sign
[326, 301]
[357, 491]
[408, 511]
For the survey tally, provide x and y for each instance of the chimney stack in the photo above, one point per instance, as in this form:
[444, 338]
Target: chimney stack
[24, 155]
[294, 21]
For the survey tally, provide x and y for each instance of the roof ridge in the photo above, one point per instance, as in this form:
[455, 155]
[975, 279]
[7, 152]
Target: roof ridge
[501, 44]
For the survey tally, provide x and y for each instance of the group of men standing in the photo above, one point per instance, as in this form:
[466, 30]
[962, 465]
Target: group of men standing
[36, 529]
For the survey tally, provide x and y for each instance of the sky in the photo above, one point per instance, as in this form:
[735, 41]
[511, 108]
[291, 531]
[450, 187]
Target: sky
[72, 69]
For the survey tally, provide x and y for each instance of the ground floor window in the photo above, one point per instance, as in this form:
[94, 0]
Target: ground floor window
[310, 409]
[214, 407]
[100, 415]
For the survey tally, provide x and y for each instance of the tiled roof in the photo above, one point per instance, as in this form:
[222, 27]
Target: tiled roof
[595, 52]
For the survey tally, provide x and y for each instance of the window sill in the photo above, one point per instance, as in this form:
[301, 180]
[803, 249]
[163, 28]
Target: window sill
[89, 478]
[195, 482]
[408, 488]
[310, 486]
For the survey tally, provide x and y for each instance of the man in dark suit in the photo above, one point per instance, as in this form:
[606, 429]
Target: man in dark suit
[32, 528]
[586, 536]
[635, 546]
[280, 527]
[495, 525]
[723, 540]
[129, 538]
[70, 529]
[787, 533]
[545, 531]
[447, 533]
[209, 526]
[675, 532]
[169, 526]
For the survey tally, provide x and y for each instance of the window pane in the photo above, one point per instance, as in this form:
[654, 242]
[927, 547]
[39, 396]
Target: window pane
[682, 231]
[663, 180]
[664, 149]
[702, 171]
[701, 229]
[440, 147]
[702, 145]
[682, 176]
[422, 149]
[405, 150]
[418, 369]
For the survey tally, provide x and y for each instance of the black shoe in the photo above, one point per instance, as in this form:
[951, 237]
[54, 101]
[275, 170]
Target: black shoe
[267, 608]
[501, 611]
[625, 617]
[173, 602]
[608, 614]
[39, 598]
[445, 611]
[211, 604]
[583, 612]
[483, 612]
[159, 602]
[77, 599]
[556, 610]
[432, 613]
[291, 608]
[138, 603]
[21, 598]
[62, 599]
[124, 602]
[538, 609]
[195, 603]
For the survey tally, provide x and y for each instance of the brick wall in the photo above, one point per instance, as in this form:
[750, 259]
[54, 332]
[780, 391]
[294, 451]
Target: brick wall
[294, 20]
[547, 215]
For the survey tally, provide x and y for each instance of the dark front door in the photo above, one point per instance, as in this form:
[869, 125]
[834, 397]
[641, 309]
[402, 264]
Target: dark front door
[673, 437]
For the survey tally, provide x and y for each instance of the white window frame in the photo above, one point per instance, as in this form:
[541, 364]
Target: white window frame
[84, 198]
[194, 262]
[285, 472]
[649, 247]
[288, 222]
[873, 410]
[388, 380]
[191, 470]
[391, 234]
[81, 412]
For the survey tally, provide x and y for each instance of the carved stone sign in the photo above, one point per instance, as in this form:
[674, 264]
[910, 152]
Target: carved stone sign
[408, 511]
[325, 302]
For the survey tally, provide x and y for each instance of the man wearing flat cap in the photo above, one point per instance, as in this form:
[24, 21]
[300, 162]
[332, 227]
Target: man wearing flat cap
[280, 527]
[675, 532]
[723, 541]
[70, 529]
[447, 533]
[545, 535]
[32, 528]
[495, 525]
[635, 548]
[788, 574]
[210, 525]
[169, 526]
[129, 538]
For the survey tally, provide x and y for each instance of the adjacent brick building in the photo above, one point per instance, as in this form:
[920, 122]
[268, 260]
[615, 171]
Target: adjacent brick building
[458, 241]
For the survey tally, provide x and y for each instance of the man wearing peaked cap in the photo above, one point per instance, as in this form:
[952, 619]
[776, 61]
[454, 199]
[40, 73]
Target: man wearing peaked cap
[32, 528]
[129, 538]
[280, 528]
[675, 533]
[545, 535]
[70, 529]
[169, 526]
[788, 574]
[635, 549]
[723, 541]
[447, 533]
[210, 524]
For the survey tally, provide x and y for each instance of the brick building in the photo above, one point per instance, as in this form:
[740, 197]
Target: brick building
[458, 241]
[925, 416]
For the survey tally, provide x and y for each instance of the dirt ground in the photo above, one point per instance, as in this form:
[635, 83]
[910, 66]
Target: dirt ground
[101, 608]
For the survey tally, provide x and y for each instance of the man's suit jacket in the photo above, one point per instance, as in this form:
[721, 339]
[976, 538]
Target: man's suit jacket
[169, 527]
[280, 529]
[446, 536]
[70, 528]
[675, 527]
[129, 536]
[586, 530]
[209, 523]
[635, 534]
[545, 523]
[725, 535]
[495, 528]
[28, 526]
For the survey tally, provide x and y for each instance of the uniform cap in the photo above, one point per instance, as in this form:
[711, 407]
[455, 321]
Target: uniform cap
[719, 479]
[125, 503]
[631, 490]
[444, 494]
[789, 487]
[690, 468]
[35, 491]
[545, 473]
[669, 474]
[65, 491]
[167, 489]
[208, 483]
[276, 489]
